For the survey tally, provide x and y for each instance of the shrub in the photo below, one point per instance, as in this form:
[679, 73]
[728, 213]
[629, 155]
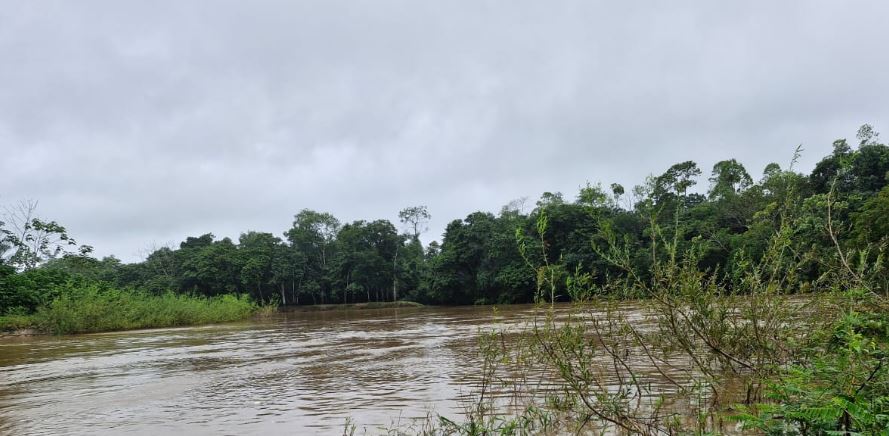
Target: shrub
[95, 308]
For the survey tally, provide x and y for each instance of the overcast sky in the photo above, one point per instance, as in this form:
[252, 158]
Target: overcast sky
[136, 124]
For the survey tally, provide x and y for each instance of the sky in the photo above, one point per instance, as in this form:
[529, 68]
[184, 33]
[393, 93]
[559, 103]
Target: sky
[137, 124]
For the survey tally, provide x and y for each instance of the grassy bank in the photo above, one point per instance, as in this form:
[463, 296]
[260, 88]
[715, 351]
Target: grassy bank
[355, 306]
[12, 323]
[99, 309]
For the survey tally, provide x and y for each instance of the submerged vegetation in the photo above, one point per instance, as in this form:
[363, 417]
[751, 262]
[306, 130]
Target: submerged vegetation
[95, 308]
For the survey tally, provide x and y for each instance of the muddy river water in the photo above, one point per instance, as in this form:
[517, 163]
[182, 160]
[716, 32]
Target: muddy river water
[296, 373]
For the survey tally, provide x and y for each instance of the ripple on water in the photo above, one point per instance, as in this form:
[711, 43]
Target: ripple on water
[299, 371]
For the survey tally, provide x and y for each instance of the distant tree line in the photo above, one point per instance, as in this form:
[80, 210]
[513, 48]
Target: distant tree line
[480, 260]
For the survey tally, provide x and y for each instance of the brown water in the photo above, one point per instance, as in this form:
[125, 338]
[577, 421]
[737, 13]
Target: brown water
[298, 373]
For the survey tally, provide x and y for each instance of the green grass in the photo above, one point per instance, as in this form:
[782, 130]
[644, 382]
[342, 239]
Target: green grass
[11, 323]
[99, 309]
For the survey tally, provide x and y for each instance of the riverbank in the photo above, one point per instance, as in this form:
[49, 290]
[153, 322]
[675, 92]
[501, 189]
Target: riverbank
[353, 306]
[11, 323]
[93, 310]
[18, 325]
[106, 311]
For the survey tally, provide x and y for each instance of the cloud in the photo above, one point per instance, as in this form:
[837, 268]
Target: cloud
[144, 123]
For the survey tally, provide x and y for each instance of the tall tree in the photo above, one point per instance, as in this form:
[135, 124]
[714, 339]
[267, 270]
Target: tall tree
[365, 257]
[314, 235]
[258, 251]
[27, 241]
[593, 196]
[415, 218]
[728, 178]
[678, 178]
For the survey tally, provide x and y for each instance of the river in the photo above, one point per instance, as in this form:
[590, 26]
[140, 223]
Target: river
[295, 373]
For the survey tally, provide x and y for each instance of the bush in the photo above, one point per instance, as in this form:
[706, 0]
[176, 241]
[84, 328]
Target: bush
[29, 289]
[95, 308]
[842, 388]
[16, 322]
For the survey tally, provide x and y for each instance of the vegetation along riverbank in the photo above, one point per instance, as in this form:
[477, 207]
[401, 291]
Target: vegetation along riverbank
[96, 308]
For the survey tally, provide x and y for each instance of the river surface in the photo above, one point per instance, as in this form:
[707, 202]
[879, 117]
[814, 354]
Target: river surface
[296, 373]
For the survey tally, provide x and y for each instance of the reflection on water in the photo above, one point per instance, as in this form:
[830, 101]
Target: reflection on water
[301, 372]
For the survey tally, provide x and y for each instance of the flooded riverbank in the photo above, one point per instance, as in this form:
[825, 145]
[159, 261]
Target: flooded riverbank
[300, 371]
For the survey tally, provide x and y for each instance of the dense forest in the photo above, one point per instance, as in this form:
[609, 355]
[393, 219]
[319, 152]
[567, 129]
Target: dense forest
[483, 258]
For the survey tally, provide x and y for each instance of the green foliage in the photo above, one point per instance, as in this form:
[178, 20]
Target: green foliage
[871, 222]
[366, 259]
[479, 262]
[13, 322]
[728, 179]
[415, 218]
[26, 291]
[843, 387]
[97, 308]
[717, 319]
[27, 241]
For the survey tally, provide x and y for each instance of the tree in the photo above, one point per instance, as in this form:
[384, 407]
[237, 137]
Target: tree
[258, 251]
[678, 178]
[366, 257]
[193, 265]
[669, 193]
[211, 268]
[846, 171]
[314, 234]
[867, 135]
[85, 267]
[833, 169]
[514, 207]
[617, 190]
[479, 262]
[159, 272]
[410, 268]
[288, 268]
[415, 218]
[872, 222]
[593, 196]
[869, 168]
[405, 264]
[728, 178]
[550, 199]
[28, 241]
[4, 243]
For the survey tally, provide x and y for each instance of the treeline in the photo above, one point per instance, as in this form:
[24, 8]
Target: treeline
[486, 257]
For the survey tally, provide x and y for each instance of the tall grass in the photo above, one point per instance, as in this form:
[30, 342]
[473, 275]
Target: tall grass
[14, 322]
[95, 308]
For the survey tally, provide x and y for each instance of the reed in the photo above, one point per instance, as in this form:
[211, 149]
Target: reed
[96, 308]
